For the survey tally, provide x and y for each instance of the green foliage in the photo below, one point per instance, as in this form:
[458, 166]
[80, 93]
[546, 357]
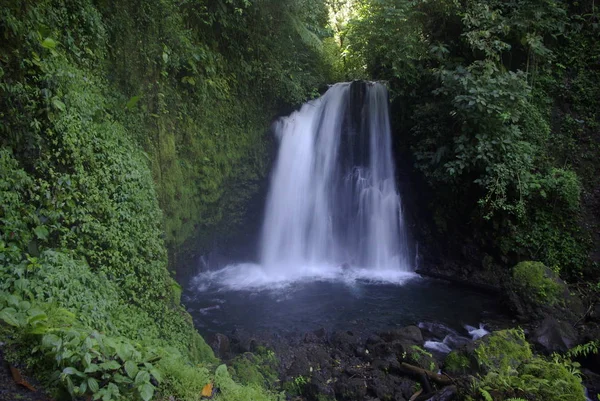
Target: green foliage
[422, 358]
[83, 362]
[199, 97]
[296, 386]
[513, 371]
[383, 42]
[122, 126]
[259, 368]
[180, 377]
[236, 392]
[497, 104]
[583, 350]
[536, 282]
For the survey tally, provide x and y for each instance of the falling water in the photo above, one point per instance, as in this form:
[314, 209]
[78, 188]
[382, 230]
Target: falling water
[333, 210]
[333, 198]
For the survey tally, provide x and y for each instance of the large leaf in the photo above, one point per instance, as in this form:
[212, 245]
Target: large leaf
[132, 102]
[9, 316]
[58, 104]
[156, 374]
[142, 377]
[93, 384]
[146, 391]
[110, 365]
[131, 369]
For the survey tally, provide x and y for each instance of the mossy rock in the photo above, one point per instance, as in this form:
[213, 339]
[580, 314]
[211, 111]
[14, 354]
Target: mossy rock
[538, 283]
[258, 368]
[536, 291]
[503, 350]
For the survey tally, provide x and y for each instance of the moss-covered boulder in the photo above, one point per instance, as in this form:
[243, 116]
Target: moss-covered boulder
[258, 369]
[538, 283]
[536, 291]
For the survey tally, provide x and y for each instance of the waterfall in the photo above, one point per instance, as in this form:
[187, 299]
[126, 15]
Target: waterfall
[333, 198]
[333, 211]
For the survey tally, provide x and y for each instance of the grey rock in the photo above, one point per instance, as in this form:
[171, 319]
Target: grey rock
[410, 335]
[554, 336]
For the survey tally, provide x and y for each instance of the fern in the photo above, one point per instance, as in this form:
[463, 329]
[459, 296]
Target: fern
[584, 349]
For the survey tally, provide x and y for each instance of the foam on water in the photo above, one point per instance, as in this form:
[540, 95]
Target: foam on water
[254, 277]
[476, 333]
[438, 346]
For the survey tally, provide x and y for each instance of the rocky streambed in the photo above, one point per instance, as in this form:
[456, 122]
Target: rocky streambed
[428, 361]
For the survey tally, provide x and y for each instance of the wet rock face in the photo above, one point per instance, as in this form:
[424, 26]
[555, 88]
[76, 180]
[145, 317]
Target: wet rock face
[220, 345]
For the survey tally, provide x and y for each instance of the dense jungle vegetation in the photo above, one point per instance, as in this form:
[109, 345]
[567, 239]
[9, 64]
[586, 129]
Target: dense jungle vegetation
[132, 128]
[496, 104]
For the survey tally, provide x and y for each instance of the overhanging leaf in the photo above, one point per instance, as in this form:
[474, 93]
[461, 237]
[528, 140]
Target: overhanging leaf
[93, 384]
[142, 377]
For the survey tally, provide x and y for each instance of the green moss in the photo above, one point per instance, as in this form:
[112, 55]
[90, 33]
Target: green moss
[232, 391]
[181, 378]
[503, 350]
[535, 282]
[456, 363]
[246, 371]
[259, 368]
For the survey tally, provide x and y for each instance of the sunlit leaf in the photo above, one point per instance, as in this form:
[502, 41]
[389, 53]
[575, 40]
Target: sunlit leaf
[49, 43]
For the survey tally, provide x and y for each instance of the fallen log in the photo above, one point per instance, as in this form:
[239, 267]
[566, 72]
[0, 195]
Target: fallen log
[419, 373]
